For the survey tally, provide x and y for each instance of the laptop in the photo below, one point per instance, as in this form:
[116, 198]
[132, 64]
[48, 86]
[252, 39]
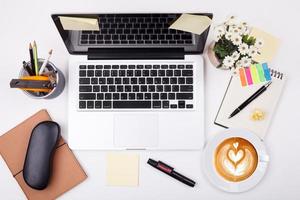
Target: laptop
[134, 83]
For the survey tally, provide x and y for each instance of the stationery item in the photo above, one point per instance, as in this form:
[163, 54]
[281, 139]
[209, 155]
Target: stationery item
[243, 77]
[248, 76]
[38, 167]
[122, 169]
[235, 160]
[27, 69]
[256, 73]
[269, 48]
[67, 172]
[32, 83]
[192, 23]
[250, 99]
[79, 23]
[31, 58]
[236, 94]
[171, 172]
[266, 71]
[45, 63]
[35, 58]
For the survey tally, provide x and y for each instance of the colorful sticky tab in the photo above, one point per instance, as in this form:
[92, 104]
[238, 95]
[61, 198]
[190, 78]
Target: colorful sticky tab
[248, 75]
[243, 77]
[254, 74]
[260, 72]
[266, 71]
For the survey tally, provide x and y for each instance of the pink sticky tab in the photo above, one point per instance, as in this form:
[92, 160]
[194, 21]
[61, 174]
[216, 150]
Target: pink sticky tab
[248, 75]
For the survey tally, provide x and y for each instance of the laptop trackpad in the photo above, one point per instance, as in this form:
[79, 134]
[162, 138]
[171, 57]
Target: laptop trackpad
[134, 130]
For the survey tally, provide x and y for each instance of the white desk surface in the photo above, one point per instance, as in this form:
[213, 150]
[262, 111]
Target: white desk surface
[24, 21]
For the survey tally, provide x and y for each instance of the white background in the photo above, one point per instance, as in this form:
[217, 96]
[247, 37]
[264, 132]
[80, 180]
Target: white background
[24, 21]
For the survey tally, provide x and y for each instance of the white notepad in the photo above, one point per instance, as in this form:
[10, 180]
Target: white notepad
[235, 95]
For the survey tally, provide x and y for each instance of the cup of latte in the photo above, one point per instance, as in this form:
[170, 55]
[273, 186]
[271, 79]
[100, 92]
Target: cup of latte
[235, 160]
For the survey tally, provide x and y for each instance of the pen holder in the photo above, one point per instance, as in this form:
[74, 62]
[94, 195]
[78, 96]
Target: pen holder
[59, 79]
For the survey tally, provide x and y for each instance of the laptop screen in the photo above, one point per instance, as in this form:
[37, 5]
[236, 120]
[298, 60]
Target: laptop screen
[81, 32]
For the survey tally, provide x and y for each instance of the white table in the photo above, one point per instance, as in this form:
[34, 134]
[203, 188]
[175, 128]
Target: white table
[24, 21]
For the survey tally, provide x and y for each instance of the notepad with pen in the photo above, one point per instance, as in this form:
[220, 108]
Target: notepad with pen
[236, 94]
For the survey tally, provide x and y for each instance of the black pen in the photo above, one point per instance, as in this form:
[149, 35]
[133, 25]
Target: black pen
[250, 99]
[31, 59]
[170, 171]
[28, 69]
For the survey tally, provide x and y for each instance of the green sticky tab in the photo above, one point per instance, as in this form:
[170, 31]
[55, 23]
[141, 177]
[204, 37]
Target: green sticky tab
[260, 72]
[254, 74]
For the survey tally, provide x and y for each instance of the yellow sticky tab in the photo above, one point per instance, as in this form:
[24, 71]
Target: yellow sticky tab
[254, 74]
[79, 23]
[192, 23]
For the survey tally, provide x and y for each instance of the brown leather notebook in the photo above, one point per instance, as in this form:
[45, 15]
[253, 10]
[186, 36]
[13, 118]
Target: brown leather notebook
[66, 171]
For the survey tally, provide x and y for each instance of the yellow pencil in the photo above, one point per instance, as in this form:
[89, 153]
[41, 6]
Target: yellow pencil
[35, 58]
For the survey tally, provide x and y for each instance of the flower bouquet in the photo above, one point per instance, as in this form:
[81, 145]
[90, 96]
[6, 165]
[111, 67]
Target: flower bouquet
[233, 46]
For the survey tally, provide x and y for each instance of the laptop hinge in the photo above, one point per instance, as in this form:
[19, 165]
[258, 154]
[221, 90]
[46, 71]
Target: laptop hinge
[135, 53]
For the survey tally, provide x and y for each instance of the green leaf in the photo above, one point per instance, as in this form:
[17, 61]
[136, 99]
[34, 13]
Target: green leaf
[224, 48]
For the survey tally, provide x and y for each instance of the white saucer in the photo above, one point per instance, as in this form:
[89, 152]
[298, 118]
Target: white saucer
[220, 182]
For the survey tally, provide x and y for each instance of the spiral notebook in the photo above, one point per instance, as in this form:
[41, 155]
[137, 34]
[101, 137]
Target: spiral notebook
[236, 94]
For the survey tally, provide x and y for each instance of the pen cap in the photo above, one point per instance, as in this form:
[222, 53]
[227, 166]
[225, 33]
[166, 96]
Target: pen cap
[55, 74]
[152, 162]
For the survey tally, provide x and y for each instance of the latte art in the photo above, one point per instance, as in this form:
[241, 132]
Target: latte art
[235, 159]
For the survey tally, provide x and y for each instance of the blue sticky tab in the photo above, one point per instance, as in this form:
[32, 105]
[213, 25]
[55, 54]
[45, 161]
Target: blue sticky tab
[266, 71]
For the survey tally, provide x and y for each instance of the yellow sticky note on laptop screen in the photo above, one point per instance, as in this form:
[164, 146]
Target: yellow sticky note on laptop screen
[192, 23]
[79, 23]
[269, 48]
[122, 169]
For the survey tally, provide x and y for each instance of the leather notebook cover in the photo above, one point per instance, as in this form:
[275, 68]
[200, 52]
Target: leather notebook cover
[66, 171]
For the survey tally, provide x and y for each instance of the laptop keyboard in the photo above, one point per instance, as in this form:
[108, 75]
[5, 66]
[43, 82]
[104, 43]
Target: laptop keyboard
[137, 29]
[158, 86]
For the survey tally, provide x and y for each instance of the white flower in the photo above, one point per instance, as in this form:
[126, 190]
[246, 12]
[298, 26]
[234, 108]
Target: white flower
[252, 51]
[231, 20]
[235, 55]
[242, 28]
[236, 39]
[259, 43]
[247, 31]
[238, 64]
[228, 61]
[228, 36]
[246, 61]
[234, 30]
[220, 30]
[243, 49]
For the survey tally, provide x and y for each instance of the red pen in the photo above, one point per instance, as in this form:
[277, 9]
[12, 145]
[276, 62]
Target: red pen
[171, 172]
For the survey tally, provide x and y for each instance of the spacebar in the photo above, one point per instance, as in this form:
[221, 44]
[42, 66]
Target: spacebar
[131, 104]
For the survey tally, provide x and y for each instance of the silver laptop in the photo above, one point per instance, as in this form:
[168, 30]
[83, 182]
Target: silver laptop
[135, 83]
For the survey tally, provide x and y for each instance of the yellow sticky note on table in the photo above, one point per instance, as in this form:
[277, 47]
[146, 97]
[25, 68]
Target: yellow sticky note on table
[192, 23]
[122, 169]
[269, 48]
[79, 23]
